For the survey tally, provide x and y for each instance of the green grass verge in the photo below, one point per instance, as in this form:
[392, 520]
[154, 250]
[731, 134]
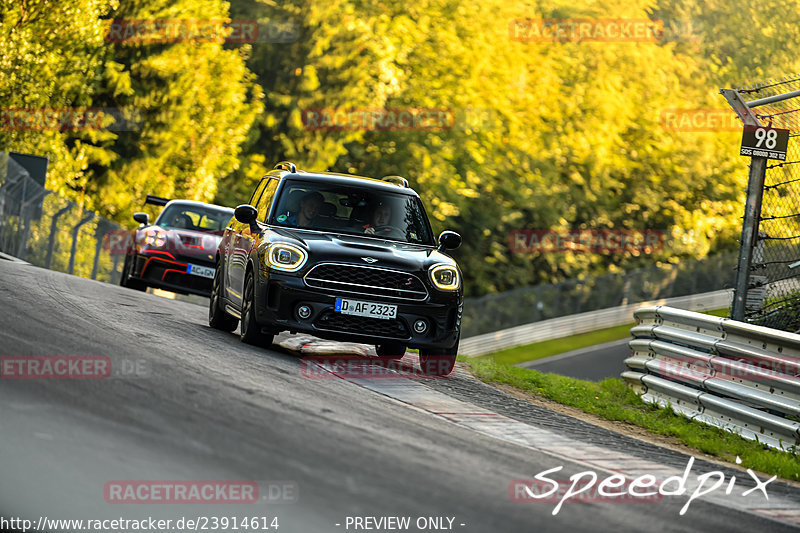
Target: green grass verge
[611, 399]
[538, 350]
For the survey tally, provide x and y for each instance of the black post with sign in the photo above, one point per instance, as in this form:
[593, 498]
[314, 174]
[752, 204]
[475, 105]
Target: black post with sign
[755, 137]
[769, 143]
[759, 143]
[752, 216]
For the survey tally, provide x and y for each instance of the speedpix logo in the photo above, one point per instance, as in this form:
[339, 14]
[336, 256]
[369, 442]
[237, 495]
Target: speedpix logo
[587, 487]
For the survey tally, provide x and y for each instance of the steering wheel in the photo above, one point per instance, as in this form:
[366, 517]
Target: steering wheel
[387, 231]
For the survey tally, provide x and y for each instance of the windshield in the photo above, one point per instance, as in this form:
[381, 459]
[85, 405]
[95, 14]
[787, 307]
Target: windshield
[353, 210]
[203, 218]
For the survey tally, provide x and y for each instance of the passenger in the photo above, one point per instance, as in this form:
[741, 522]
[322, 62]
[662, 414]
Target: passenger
[310, 205]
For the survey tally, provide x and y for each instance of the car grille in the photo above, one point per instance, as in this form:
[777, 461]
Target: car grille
[332, 321]
[366, 280]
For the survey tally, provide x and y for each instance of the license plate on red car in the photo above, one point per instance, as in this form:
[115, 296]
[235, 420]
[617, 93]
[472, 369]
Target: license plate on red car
[200, 270]
[368, 309]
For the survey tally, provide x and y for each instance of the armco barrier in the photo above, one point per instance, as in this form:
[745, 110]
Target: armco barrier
[582, 323]
[733, 375]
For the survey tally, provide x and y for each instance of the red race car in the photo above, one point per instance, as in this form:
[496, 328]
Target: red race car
[176, 252]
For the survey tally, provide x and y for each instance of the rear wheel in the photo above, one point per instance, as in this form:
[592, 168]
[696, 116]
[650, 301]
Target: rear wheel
[438, 362]
[250, 331]
[391, 350]
[218, 318]
[125, 279]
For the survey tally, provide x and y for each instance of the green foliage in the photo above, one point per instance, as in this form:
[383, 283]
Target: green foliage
[191, 101]
[546, 135]
[560, 135]
[51, 60]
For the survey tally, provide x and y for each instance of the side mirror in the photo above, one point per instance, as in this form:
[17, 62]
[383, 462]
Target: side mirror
[246, 214]
[142, 218]
[449, 240]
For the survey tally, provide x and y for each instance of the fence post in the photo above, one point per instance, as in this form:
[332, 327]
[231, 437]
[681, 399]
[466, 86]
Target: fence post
[74, 246]
[51, 238]
[752, 214]
[22, 250]
[100, 234]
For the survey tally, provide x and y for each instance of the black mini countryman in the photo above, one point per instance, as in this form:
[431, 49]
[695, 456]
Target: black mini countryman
[340, 257]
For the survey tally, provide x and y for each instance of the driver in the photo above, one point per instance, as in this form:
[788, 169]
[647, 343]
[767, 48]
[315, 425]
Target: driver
[181, 220]
[380, 221]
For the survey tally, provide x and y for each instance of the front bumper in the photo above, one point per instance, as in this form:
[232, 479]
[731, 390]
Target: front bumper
[166, 271]
[279, 295]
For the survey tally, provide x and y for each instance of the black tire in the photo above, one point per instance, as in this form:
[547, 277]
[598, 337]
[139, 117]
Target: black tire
[391, 350]
[218, 318]
[125, 279]
[250, 330]
[438, 362]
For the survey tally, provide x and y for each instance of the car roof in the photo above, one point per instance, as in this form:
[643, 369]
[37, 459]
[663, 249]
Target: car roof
[195, 203]
[344, 179]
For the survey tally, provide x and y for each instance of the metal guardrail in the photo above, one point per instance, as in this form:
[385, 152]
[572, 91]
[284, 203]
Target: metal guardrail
[737, 376]
[535, 304]
[582, 323]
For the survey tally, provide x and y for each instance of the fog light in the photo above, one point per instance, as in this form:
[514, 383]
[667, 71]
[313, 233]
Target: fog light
[304, 311]
[420, 326]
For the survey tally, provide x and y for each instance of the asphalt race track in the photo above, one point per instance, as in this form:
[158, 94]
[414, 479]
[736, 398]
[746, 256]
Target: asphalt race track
[593, 363]
[185, 402]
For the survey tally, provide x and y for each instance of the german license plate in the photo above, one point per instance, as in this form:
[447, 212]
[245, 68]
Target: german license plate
[200, 270]
[368, 309]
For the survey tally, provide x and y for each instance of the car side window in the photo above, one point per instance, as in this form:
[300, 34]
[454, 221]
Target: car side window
[266, 200]
[257, 193]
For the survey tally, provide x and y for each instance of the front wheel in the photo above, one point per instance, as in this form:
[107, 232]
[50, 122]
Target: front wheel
[218, 318]
[438, 362]
[125, 279]
[391, 350]
[250, 331]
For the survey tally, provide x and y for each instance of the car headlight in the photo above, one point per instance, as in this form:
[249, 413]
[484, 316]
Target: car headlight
[155, 237]
[445, 277]
[286, 257]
